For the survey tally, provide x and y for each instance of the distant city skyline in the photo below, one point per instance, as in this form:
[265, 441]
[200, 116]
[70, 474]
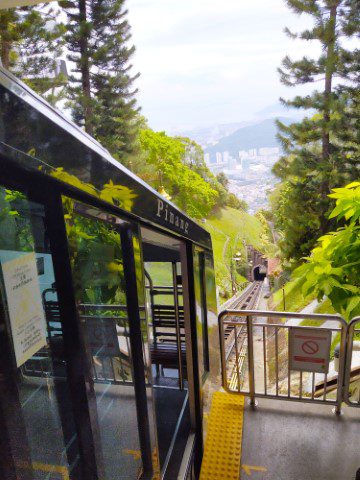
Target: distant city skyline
[205, 63]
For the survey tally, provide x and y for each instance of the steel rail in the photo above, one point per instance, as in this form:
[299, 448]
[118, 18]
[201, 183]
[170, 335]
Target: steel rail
[246, 301]
[238, 339]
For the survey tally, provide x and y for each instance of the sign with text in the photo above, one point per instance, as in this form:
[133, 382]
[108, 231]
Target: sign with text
[102, 337]
[309, 349]
[27, 320]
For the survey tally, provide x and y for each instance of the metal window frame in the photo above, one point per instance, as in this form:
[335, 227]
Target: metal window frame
[127, 232]
[202, 272]
[187, 266]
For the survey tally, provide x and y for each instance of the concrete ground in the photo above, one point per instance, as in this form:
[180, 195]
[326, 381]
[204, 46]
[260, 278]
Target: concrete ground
[285, 440]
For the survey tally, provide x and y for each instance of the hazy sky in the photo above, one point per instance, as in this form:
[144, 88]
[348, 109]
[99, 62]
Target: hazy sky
[205, 61]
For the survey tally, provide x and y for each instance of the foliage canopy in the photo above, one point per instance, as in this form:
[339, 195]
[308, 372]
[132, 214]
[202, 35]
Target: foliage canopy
[333, 269]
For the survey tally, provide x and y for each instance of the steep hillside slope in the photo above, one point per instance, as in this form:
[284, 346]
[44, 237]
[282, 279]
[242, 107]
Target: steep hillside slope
[230, 231]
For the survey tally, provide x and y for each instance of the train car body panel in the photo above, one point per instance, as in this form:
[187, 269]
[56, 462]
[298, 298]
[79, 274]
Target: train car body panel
[107, 304]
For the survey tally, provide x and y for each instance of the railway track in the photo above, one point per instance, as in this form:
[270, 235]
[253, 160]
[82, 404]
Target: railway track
[245, 301]
[236, 338]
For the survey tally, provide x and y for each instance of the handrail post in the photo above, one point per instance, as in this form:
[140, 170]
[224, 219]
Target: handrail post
[177, 326]
[341, 373]
[251, 360]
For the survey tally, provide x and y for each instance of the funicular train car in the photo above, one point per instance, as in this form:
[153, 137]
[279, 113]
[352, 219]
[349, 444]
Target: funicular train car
[107, 291]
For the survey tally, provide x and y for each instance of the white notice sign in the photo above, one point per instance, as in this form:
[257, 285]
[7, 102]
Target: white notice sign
[102, 337]
[309, 349]
[26, 311]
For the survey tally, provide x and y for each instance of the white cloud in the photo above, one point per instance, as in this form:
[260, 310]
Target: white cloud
[204, 61]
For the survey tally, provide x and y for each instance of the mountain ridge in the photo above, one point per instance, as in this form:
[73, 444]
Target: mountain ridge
[260, 134]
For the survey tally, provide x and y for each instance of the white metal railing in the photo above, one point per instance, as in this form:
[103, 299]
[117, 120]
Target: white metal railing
[256, 356]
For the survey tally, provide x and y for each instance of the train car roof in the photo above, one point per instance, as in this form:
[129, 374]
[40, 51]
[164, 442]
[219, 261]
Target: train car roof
[39, 137]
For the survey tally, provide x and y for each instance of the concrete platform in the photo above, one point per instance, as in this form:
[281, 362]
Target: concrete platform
[293, 441]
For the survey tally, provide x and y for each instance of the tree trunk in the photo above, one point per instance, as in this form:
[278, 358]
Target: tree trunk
[329, 72]
[85, 68]
[5, 53]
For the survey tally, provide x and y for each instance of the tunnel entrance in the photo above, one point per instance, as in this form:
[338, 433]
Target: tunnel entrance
[259, 273]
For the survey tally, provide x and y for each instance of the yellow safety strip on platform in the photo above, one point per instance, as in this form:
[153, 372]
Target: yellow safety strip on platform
[222, 454]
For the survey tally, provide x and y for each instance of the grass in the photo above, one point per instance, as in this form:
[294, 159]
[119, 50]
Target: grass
[160, 272]
[230, 230]
[294, 299]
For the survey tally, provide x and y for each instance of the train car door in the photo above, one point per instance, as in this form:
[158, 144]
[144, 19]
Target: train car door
[39, 437]
[74, 401]
[170, 348]
[106, 271]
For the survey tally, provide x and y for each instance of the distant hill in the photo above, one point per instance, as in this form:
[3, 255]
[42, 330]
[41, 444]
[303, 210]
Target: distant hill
[209, 135]
[262, 134]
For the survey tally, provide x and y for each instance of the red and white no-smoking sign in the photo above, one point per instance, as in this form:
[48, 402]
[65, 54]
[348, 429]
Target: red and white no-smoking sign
[309, 349]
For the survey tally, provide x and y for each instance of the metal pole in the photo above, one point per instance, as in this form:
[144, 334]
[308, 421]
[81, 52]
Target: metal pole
[177, 326]
[283, 292]
[251, 360]
[237, 360]
[222, 352]
[342, 360]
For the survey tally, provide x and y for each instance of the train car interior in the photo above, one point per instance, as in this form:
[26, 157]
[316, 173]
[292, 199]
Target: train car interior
[165, 309]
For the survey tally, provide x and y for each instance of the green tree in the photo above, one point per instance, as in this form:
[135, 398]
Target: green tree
[333, 268]
[102, 97]
[166, 157]
[223, 179]
[194, 159]
[234, 202]
[316, 157]
[30, 44]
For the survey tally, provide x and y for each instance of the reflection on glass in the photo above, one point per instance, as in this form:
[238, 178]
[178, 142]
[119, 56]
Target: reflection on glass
[97, 266]
[163, 280]
[140, 280]
[201, 314]
[33, 322]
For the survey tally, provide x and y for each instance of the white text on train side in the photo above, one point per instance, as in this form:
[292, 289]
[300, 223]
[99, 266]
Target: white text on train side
[164, 212]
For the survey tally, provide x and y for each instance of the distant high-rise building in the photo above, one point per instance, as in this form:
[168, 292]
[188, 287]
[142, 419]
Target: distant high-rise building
[207, 158]
[245, 164]
[232, 162]
[252, 152]
[226, 157]
[218, 157]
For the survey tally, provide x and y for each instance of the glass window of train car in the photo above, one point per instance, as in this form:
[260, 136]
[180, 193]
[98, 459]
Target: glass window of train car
[168, 345]
[201, 313]
[33, 364]
[212, 319]
[110, 325]
[140, 285]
